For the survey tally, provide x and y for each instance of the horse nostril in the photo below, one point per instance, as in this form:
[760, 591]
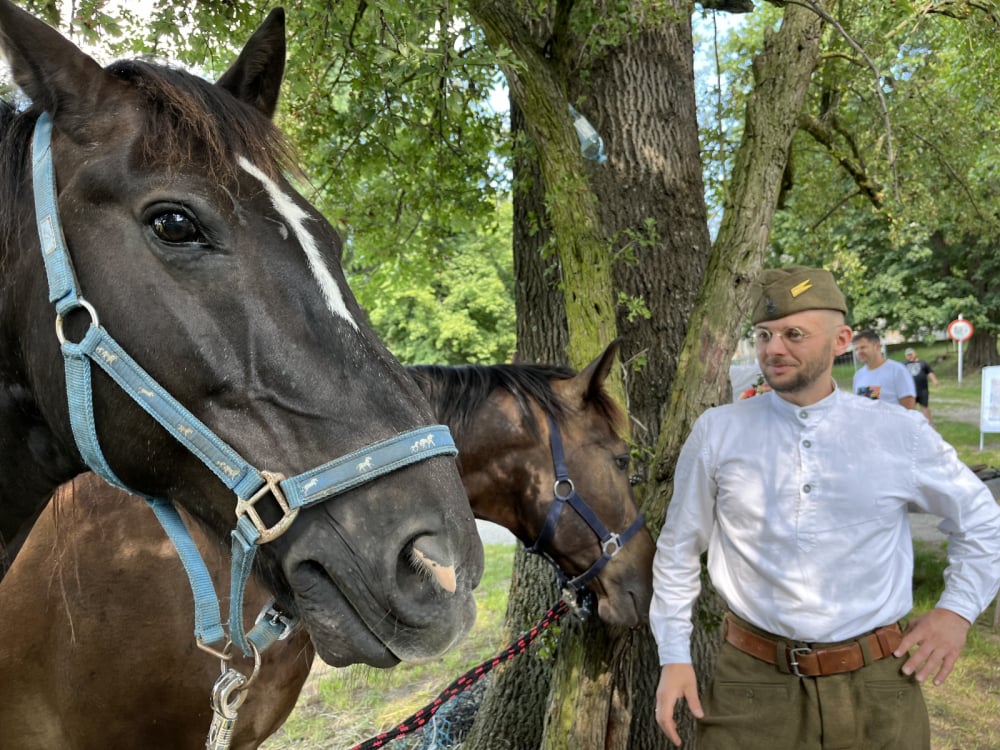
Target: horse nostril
[430, 557]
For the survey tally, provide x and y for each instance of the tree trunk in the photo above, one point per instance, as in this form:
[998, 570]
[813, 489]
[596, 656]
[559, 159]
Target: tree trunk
[639, 94]
[981, 350]
[538, 87]
[782, 72]
[512, 714]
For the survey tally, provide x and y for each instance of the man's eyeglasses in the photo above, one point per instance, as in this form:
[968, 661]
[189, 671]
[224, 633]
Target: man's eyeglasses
[791, 336]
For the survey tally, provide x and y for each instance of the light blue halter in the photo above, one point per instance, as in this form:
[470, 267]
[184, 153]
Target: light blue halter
[249, 484]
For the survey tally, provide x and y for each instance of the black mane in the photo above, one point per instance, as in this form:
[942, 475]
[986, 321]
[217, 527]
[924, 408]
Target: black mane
[15, 159]
[457, 393]
[190, 120]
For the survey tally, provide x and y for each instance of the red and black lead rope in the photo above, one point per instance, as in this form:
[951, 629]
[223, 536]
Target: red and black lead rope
[463, 683]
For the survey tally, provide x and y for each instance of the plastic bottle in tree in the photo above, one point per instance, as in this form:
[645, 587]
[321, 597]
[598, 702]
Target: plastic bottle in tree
[591, 143]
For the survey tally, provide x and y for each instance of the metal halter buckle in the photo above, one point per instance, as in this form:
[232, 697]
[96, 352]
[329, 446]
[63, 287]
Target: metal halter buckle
[793, 662]
[271, 487]
[276, 617]
[580, 602]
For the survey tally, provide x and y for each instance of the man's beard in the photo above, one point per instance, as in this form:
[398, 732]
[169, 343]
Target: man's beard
[806, 375]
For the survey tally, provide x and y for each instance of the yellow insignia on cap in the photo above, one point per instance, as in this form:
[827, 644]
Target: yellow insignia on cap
[801, 288]
[778, 292]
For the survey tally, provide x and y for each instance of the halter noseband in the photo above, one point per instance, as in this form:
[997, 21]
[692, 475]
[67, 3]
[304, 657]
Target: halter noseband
[249, 484]
[564, 493]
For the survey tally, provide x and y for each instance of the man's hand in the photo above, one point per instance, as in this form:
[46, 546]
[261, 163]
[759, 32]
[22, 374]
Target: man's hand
[939, 636]
[676, 681]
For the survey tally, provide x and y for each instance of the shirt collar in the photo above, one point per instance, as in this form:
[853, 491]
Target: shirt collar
[821, 407]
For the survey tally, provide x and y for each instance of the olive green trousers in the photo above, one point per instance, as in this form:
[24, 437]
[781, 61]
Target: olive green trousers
[752, 705]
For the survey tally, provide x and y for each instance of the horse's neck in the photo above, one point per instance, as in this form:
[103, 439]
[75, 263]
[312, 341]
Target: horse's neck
[494, 494]
[34, 464]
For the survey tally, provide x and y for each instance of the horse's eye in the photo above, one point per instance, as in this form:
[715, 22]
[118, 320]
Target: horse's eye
[177, 228]
[622, 462]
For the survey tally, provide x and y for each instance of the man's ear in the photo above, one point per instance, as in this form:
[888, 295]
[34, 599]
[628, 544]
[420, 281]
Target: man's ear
[842, 340]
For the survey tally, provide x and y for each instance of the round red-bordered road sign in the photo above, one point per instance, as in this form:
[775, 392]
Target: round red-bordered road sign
[960, 330]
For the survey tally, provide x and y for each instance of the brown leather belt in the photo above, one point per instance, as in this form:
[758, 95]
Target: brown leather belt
[814, 662]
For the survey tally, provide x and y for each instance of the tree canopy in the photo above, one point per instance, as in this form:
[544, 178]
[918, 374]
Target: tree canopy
[893, 178]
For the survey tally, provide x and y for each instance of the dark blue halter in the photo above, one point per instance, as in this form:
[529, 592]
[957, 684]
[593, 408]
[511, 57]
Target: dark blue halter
[249, 484]
[564, 493]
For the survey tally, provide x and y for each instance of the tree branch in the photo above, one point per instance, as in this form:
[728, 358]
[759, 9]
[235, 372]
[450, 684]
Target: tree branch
[833, 210]
[943, 160]
[823, 136]
[815, 7]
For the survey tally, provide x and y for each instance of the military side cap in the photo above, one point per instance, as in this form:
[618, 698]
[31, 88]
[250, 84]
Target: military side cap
[782, 291]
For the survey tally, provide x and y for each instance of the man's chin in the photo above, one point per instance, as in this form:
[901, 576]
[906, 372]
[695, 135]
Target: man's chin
[791, 384]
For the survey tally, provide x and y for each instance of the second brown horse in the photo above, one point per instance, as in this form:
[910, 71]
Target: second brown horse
[96, 646]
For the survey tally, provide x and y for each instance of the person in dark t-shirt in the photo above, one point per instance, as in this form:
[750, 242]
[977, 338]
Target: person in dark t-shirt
[921, 371]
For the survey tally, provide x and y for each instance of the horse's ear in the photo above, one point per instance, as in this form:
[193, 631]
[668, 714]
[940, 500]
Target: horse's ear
[255, 77]
[589, 381]
[57, 77]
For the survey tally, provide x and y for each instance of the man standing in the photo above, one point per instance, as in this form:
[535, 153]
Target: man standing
[800, 497]
[921, 371]
[881, 378]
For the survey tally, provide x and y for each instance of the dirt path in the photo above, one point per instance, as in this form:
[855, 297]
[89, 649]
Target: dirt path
[955, 410]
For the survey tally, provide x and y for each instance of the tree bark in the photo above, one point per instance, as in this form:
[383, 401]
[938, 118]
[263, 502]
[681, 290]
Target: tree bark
[782, 73]
[538, 87]
[512, 715]
[640, 97]
[981, 350]
[639, 94]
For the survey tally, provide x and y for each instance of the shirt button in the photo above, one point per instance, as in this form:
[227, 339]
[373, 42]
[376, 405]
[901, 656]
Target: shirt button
[807, 488]
[803, 414]
[807, 443]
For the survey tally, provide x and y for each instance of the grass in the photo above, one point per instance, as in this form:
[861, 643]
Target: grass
[965, 710]
[340, 708]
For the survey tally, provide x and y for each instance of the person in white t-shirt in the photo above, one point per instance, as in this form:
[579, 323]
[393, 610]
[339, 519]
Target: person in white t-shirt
[881, 379]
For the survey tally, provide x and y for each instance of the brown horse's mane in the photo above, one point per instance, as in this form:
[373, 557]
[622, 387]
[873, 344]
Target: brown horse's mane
[459, 392]
[187, 120]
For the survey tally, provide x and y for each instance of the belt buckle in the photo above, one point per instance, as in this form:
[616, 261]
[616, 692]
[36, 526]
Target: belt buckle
[793, 662]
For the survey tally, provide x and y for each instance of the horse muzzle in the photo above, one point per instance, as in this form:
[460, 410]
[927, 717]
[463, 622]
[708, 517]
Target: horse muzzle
[407, 596]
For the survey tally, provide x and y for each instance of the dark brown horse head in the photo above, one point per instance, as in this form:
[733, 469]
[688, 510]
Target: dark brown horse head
[499, 415]
[224, 284]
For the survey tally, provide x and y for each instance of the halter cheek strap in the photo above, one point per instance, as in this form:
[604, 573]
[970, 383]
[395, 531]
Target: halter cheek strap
[565, 494]
[249, 484]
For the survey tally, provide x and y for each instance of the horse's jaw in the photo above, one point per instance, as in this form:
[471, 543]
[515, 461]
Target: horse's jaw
[346, 629]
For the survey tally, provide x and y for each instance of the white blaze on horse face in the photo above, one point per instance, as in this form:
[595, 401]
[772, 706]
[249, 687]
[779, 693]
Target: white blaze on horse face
[296, 219]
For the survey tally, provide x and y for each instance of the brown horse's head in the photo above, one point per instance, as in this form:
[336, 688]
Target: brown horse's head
[500, 418]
